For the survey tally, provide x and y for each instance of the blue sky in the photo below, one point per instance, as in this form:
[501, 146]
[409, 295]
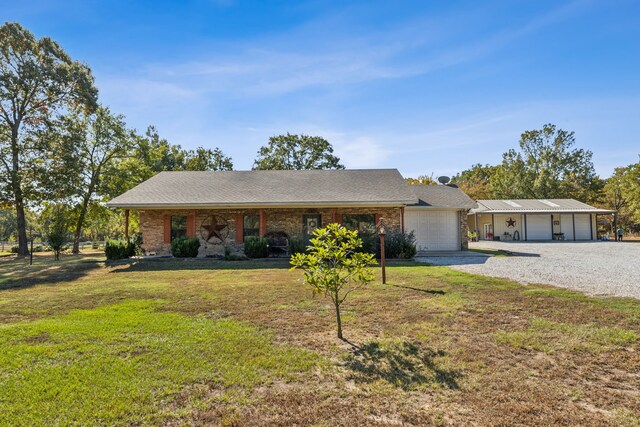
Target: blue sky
[424, 86]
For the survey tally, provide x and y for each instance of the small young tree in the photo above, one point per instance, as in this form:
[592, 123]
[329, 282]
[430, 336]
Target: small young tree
[56, 228]
[333, 267]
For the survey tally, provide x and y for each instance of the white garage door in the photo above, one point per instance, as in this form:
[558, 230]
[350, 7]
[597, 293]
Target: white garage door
[583, 227]
[538, 227]
[434, 230]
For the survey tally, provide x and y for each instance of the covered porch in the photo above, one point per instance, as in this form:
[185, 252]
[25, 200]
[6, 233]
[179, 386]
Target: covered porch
[557, 220]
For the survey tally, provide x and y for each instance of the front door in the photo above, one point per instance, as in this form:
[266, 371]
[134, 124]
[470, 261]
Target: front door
[309, 225]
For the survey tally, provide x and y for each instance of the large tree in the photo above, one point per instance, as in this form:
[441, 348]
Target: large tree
[152, 154]
[546, 166]
[476, 181]
[98, 142]
[38, 82]
[422, 180]
[622, 194]
[296, 152]
[206, 159]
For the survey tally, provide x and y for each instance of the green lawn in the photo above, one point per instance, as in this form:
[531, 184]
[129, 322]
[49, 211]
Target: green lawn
[186, 342]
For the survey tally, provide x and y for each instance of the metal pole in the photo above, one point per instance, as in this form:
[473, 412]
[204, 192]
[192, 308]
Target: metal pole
[384, 273]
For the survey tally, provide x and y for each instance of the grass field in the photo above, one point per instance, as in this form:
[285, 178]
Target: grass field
[191, 342]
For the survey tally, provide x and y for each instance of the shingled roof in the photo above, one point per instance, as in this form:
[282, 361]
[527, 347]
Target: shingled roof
[536, 206]
[354, 187]
[441, 196]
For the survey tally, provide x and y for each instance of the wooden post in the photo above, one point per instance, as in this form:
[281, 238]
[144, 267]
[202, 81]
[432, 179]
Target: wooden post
[239, 228]
[126, 224]
[381, 229]
[476, 226]
[493, 227]
[384, 272]
[263, 223]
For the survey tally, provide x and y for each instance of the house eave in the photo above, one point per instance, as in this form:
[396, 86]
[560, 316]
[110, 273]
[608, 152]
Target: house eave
[542, 211]
[441, 208]
[301, 205]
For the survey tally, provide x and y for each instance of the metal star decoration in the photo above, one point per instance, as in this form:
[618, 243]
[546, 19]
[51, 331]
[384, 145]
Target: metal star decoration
[214, 229]
[511, 222]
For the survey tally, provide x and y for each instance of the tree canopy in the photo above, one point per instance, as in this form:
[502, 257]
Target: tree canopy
[296, 152]
[546, 166]
[422, 180]
[151, 154]
[476, 181]
[38, 82]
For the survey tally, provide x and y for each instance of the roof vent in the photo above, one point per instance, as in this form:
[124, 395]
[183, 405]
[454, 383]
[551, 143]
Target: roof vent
[512, 203]
[549, 203]
[444, 179]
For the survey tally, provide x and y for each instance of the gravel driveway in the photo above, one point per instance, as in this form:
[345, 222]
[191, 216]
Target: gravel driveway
[610, 268]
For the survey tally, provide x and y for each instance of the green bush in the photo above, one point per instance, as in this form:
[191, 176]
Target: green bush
[370, 243]
[396, 244]
[256, 247]
[119, 249]
[36, 248]
[400, 245]
[296, 246]
[186, 247]
[231, 256]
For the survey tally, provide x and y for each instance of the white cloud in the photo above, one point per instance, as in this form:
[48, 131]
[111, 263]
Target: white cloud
[361, 152]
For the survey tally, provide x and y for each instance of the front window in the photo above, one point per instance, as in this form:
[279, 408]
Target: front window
[363, 223]
[251, 226]
[178, 226]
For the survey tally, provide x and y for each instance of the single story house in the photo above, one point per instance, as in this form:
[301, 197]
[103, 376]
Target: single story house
[535, 219]
[224, 208]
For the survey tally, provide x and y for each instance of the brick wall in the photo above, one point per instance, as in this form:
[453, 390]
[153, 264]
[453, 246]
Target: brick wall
[287, 220]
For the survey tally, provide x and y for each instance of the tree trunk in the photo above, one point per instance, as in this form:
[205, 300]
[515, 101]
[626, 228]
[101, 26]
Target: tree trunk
[16, 184]
[23, 244]
[78, 232]
[338, 319]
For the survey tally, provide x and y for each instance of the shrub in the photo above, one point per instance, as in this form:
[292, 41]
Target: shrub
[396, 244]
[185, 247]
[400, 245]
[137, 243]
[256, 247]
[296, 246]
[36, 248]
[119, 249]
[233, 256]
[370, 244]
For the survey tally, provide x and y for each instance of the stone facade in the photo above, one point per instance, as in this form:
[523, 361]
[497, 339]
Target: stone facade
[464, 230]
[290, 221]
